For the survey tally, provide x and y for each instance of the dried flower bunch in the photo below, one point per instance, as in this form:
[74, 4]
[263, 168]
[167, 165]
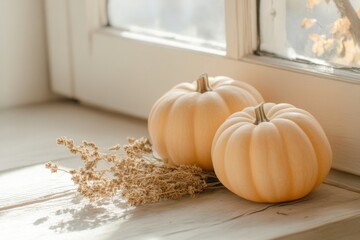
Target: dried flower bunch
[133, 172]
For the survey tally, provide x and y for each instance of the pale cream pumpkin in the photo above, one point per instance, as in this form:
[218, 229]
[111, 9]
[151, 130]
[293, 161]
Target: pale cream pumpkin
[183, 122]
[271, 153]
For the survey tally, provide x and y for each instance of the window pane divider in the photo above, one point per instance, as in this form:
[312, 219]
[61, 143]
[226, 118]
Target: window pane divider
[231, 28]
[241, 40]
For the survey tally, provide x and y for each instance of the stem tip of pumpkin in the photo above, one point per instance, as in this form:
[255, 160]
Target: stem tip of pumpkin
[260, 114]
[202, 83]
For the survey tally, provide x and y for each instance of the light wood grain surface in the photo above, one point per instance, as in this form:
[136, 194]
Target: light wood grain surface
[35, 204]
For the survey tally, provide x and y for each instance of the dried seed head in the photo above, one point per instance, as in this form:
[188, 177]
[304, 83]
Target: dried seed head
[133, 173]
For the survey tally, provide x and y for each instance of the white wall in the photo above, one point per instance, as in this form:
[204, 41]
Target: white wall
[23, 58]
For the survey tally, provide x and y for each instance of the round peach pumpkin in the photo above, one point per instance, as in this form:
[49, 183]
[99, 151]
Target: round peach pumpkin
[183, 122]
[271, 153]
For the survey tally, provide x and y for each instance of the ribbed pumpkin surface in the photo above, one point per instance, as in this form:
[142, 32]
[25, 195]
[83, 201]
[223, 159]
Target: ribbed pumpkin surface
[279, 159]
[183, 122]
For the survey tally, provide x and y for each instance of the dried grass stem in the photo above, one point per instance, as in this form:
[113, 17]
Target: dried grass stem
[133, 173]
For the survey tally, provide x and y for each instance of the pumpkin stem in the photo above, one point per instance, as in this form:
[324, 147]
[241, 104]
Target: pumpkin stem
[260, 114]
[202, 84]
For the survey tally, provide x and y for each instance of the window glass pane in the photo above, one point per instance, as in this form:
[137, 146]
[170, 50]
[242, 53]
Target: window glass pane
[199, 22]
[320, 31]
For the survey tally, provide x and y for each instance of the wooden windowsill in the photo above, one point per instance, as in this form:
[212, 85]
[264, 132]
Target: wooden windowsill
[35, 204]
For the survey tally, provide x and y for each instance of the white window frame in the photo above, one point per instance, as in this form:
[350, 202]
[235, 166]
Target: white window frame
[100, 66]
